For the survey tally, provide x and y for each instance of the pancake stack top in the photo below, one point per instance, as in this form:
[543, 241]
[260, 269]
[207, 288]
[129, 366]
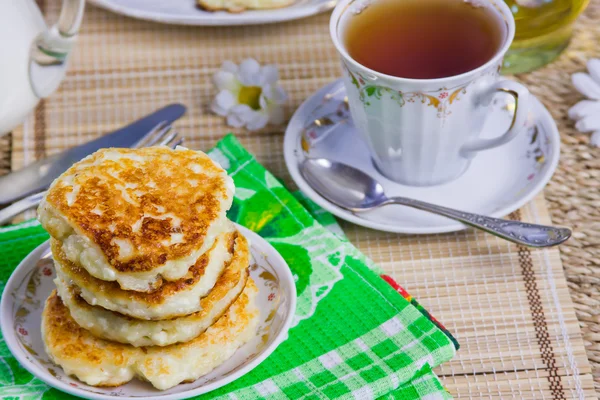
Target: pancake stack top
[145, 256]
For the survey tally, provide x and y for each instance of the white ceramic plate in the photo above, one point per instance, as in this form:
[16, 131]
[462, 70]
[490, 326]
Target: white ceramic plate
[31, 283]
[185, 12]
[498, 182]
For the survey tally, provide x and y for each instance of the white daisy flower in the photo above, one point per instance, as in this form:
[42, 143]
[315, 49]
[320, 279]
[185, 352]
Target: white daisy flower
[586, 113]
[249, 95]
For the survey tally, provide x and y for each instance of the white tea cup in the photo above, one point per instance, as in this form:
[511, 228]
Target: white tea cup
[426, 131]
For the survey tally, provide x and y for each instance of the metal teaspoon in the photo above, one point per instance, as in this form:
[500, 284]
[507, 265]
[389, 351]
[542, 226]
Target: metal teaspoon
[353, 190]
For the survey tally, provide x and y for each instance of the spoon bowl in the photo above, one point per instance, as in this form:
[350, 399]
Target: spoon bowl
[348, 187]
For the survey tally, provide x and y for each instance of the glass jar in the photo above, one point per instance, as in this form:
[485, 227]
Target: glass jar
[543, 31]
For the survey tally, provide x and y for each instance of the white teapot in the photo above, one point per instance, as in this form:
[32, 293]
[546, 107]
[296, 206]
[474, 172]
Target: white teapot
[34, 56]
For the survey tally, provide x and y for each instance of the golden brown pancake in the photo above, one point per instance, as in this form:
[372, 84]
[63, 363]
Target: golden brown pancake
[172, 298]
[134, 215]
[99, 362]
[237, 6]
[121, 328]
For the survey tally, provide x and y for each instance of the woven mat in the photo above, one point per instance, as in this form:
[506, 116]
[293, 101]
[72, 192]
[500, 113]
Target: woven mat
[509, 306]
[573, 194]
[5, 147]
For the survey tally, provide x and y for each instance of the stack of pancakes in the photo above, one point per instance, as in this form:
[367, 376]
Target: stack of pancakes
[152, 278]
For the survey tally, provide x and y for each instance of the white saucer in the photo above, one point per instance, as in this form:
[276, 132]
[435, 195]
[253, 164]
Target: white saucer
[498, 181]
[31, 283]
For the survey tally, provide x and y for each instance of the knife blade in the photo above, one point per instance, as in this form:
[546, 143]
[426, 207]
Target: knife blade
[39, 175]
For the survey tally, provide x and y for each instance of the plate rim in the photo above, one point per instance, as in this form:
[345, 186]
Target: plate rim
[289, 153]
[7, 326]
[249, 17]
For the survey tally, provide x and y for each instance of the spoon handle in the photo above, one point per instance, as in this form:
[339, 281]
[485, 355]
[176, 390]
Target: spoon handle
[531, 235]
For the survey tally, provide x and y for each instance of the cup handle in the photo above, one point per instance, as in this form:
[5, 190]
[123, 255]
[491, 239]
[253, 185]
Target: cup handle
[521, 96]
[49, 51]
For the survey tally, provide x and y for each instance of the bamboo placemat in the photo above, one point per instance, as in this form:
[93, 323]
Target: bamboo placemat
[573, 194]
[5, 147]
[509, 306]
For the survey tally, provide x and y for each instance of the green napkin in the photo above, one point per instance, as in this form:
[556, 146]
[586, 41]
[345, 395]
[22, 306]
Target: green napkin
[355, 334]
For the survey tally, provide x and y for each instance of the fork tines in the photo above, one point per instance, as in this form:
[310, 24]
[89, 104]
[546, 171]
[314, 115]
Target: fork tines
[161, 135]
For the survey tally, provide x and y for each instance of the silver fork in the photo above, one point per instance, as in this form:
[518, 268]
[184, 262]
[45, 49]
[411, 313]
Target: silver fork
[161, 135]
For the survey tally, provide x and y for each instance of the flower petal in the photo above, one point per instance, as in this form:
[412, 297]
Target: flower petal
[239, 115]
[259, 120]
[229, 66]
[244, 112]
[586, 85]
[224, 80]
[249, 72]
[595, 139]
[217, 109]
[263, 102]
[223, 102]
[235, 121]
[275, 94]
[268, 75]
[588, 124]
[584, 108]
[593, 66]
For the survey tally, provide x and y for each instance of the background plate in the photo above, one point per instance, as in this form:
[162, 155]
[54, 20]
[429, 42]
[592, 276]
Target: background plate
[185, 12]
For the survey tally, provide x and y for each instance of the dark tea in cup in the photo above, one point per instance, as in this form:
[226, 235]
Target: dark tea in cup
[424, 39]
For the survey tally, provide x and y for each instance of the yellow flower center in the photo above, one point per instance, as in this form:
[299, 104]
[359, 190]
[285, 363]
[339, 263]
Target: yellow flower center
[250, 96]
